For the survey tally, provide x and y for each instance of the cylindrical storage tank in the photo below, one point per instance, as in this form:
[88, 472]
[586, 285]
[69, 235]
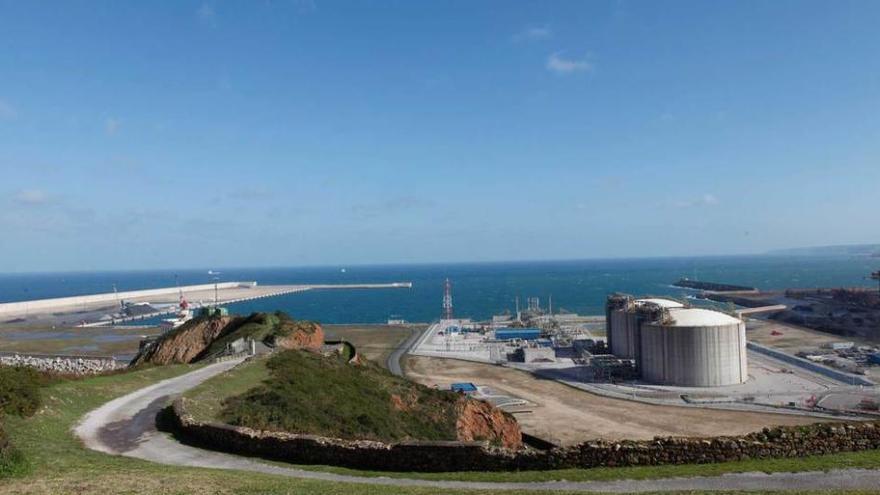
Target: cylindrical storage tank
[624, 319]
[615, 320]
[693, 347]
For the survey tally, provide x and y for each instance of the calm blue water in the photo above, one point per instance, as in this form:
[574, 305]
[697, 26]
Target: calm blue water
[479, 291]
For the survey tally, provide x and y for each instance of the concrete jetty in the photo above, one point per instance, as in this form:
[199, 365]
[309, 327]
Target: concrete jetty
[87, 310]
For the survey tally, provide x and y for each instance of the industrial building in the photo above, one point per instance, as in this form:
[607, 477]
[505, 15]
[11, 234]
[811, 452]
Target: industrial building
[517, 333]
[675, 345]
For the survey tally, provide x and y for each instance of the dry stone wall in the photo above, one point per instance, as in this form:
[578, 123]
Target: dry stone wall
[68, 365]
[793, 441]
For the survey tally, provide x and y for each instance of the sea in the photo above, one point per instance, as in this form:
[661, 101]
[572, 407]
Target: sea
[480, 290]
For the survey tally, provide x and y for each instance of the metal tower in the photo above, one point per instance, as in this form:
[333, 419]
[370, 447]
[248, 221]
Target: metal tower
[447, 300]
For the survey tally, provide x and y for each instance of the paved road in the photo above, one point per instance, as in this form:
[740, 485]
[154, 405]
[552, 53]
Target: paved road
[126, 426]
[393, 361]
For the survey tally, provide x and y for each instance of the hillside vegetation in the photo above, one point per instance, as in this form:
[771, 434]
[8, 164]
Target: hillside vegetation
[310, 393]
[20, 397]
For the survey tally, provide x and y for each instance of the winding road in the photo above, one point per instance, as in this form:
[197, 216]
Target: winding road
[126, 426]
[393, 362]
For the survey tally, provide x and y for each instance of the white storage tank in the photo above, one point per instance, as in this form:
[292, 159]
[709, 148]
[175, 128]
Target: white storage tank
[694, 348]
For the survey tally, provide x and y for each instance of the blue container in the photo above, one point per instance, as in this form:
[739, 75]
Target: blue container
[464, 387]
[874, 358]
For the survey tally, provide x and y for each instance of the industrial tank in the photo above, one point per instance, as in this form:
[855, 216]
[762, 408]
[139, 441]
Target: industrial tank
[624, 317]
[694, 348]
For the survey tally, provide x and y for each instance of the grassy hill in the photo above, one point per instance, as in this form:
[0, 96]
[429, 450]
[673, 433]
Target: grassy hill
[303, 392]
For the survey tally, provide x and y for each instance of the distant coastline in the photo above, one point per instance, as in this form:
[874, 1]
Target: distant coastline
[858, 250]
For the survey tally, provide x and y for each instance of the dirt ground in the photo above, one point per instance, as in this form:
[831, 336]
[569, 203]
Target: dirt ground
[569, 416]
[792, 339]
[374, 342]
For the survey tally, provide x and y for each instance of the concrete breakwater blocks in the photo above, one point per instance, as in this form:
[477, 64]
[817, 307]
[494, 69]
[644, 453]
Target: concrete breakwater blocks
[780, 442]
[66, 365]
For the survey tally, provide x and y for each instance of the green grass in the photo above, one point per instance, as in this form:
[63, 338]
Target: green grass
[20, 390]
[309, 393]
[205, 401]
[12, 461]
[59, 464]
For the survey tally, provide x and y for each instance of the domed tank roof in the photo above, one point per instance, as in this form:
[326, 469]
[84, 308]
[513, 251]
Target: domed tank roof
[663, 303]
[698, 317]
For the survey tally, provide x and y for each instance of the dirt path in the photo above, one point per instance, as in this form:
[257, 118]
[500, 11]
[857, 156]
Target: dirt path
[569, 416]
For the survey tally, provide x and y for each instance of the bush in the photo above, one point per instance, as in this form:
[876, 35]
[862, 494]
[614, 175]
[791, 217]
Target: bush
[20, 390]
[19, 396]
[12, 462]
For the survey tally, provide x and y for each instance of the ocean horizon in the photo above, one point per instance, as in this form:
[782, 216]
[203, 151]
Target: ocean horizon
[480, 289]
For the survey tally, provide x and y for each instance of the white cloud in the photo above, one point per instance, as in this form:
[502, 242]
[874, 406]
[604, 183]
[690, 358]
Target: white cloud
[207, 15]
[704, 200]
[557, 64]
[533, 33]
[111, 126]
[7, 111]
[31, 197]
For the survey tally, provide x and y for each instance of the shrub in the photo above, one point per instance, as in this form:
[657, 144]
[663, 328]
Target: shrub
[20, 390]
[12, 462]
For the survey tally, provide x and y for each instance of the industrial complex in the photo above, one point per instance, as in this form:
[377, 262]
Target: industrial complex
[656, 350]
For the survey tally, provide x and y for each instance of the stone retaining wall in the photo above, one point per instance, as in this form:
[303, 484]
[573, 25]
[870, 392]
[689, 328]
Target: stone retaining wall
[794, 441]
[68, 365]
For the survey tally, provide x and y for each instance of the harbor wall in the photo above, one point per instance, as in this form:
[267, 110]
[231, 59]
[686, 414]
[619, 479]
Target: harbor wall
[59, 303]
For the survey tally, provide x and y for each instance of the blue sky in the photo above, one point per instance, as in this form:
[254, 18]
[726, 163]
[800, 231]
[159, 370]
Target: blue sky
[174, 134]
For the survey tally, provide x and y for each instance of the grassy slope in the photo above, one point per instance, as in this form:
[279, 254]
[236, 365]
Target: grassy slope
[308, 393]
[205, 401]
[58, 463]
